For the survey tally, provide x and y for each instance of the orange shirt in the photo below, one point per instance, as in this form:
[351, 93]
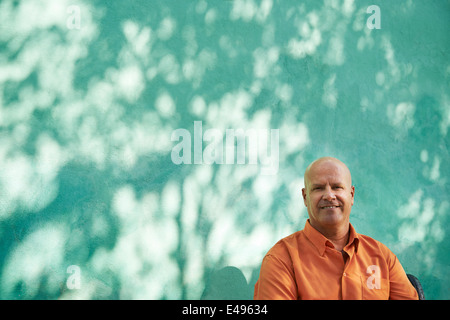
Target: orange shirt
[305, 265]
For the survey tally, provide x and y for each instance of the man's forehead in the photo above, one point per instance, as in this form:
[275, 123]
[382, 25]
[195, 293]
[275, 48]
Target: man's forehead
[327, 167]
[320, 180]
[327, 170]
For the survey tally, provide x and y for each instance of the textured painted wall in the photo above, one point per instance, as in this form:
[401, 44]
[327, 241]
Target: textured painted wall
[116, 177]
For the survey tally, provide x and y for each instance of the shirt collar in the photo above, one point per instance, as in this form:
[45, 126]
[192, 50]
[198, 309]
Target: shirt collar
[321, 242]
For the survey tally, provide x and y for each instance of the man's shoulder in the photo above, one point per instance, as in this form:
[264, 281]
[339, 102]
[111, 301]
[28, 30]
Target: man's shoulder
[369, 243]
[283, 245]
[291, 239]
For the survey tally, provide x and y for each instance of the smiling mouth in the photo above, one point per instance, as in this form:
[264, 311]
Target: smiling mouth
[329, 207]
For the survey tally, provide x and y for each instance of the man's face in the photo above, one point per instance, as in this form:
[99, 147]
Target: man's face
[328, 193]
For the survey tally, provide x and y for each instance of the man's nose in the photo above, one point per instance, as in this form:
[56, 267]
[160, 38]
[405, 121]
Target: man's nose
[328, 194]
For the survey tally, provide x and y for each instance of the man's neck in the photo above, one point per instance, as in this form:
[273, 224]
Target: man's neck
[340, 242]
[337, 235]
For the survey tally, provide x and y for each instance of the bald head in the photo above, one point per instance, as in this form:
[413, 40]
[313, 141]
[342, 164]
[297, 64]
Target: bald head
[324, 163]
[328, 195]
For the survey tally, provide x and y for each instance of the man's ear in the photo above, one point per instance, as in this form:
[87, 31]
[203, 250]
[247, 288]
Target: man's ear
[304, 195]
[353, 193]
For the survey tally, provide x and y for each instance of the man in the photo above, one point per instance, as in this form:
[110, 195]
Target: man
[328, 259]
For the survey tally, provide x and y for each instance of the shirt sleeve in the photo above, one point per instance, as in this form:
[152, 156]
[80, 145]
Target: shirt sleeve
[400, 286]
[276, 280]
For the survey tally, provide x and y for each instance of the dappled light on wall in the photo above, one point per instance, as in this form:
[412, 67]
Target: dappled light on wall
[156, 150]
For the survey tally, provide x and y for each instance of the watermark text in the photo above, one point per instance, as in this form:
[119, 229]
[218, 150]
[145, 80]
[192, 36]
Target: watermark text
[234, 146]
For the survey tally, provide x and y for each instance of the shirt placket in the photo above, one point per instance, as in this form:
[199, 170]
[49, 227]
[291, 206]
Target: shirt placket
[350, 281]
[336, 262]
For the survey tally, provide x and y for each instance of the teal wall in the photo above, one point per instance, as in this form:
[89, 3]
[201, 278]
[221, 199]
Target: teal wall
[92, 205]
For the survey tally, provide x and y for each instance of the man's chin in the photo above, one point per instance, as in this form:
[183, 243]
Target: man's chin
[331, 217]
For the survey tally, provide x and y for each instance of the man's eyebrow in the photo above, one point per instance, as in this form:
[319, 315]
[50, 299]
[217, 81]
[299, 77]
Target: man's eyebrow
[322, 184]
